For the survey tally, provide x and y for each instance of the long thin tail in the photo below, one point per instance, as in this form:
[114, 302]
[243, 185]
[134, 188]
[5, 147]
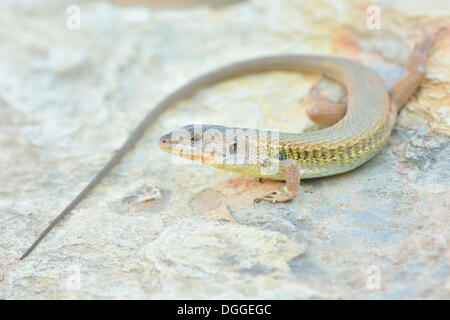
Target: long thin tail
[134, 137]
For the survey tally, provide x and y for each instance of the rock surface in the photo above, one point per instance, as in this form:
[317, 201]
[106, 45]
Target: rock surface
[69, 98]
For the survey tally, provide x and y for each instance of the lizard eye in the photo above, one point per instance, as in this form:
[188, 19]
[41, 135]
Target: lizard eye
[233, 148]
[196, 138]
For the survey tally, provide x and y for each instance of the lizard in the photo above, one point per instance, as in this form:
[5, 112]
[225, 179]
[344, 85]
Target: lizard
[356, 132]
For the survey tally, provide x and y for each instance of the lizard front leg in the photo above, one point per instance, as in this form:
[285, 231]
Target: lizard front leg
[291, 171]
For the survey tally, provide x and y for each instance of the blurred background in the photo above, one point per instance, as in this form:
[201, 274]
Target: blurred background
[76, 77]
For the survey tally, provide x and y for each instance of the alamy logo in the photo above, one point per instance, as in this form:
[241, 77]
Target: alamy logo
[73, 21]
[373, 277]
[374, 19]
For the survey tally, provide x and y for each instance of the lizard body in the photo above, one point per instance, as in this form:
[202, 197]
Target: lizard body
[359, 132]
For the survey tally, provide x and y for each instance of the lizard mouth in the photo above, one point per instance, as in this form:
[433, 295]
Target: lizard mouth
[165, 143]
[204, 143]
[179, 147]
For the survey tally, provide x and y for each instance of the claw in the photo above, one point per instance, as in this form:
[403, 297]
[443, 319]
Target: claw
[291, 171]
[273, 196]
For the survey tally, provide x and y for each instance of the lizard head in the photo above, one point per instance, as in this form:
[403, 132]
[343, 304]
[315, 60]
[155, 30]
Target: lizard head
[236, 149]
[203, 143]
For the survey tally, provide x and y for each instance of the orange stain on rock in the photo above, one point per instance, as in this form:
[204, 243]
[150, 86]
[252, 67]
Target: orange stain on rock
[247, 188]
[240, 182]
[346, 43]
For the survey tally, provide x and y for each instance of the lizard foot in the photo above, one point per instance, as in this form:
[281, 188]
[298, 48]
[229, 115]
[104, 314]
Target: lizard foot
[275, 196]
[291, 172]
